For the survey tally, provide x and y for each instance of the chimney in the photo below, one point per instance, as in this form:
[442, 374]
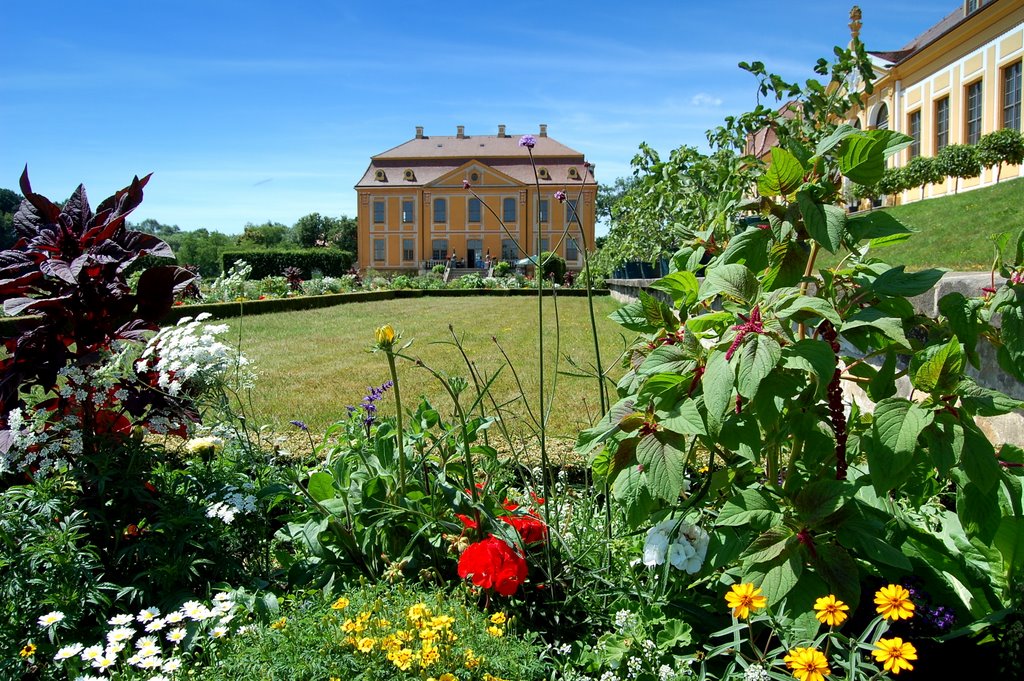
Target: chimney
[543, 129]
[501, 131]
[461, 132]
[419, 132]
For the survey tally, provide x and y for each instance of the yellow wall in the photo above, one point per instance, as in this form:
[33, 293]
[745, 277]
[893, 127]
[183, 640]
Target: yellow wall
[979, 50]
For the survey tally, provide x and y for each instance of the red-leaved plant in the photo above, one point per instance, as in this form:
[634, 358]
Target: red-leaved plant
[67, 269]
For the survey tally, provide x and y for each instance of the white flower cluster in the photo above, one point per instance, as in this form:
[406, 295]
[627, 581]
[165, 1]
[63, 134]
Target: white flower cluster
[756, 672]
[40, 443]
[189, 355]
[232, 502]
[230, 286]
[683, 544]
[171, 631]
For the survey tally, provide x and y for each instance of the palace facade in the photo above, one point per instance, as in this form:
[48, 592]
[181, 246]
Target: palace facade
[414, 211]
[952, 84]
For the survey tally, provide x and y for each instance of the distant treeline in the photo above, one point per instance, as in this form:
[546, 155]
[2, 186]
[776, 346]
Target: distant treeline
[204, 248]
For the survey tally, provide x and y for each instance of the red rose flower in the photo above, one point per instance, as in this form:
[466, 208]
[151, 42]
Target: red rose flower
[493, 564]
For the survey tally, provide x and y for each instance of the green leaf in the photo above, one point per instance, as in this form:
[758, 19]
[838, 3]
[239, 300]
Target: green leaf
[664, 460]
[632, 316]
[758, 355]
[813, 356]
[674, 633]
[711, 320]
[937, 367]
[862, 157]
[890, 327]
[658, 313]
[896, 427]
[883, 383]
[981, 401]
[783, 175]
[682, 286]
[717, 383]
[735, 282]
[786, 263]
[819, 499]
[749, 507]
[835, 137]
[873, 225]
[748, 248]
[839, 570]
[978, 512]
[768, 545]
[781, 578]
[978, 459]
[896, 282]
[825, 223]
[321, 486]
[963, 316]
[945, 443]
[667, 359]
[684, 418]
[816, 307]
[1009, 540]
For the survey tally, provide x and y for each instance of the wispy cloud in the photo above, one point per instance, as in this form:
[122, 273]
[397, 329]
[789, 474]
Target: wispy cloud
[703, 99]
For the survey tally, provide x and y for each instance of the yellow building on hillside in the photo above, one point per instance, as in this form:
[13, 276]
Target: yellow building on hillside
[414, 211]
[955, 82]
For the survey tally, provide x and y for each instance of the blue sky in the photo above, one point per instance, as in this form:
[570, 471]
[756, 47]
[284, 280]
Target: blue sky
[254, 111]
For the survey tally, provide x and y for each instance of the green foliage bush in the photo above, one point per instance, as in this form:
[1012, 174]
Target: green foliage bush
[959, 161]
[502, 269]
[554, 265]
[1005, 146]
[327, 261]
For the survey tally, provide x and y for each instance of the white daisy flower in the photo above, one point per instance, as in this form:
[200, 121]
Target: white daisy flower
[120, 634]
[219, 632]
[68, 651]
[51, 618]
[92, 653]
[176, 635]
[147, 615]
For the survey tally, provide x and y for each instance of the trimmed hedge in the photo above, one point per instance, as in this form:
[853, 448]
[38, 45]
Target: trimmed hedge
[8, 325]
[328, 261]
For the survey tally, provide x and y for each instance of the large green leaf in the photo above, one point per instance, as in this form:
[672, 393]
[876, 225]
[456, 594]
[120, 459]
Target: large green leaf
[897, 282]
[780, 579]
[684, 418]
[890, 327]
[883, 383]
[632, 316]
[978, 512]
[837, 567]
[757, 356]
[981, 401]
[734, 281]
[1009, 539]
[841, 132]
[718, 381]
[321, 486]
[663, 456]
[963, 316]
[667, 359]
[896, 427]
[749, 507]
[876, 224]
[657, 312]
[749, 248]
[862, 157]
[768, 545]
[813, 356]
[825, 223]
[937, 367]
[783, 175]
[682, 286]
[978, 459]
[812, 306]
[711, 320]
[819, 499]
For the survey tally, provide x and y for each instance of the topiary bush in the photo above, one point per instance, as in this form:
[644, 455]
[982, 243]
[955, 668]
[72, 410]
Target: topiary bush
[1000, 147]
[553, 266]
[959, 161]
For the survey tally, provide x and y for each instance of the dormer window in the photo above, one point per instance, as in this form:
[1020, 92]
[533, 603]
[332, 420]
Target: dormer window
[543, 174]
[574, 174]
[409, 175]
[380, 175]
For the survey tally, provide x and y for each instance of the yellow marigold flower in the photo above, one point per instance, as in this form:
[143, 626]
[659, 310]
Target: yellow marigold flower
[428, 634]
[807, 664]
[401, 658]
[744, 599]
[280, 624]
[428, 656]
[498, 618]
[830, 611]
[494, 631]
[340, 604]
[442, 621]
[894, 654]
[404, 635]
[385, 336]
[365, 644]
[348, 626]
[893, 602]
[447, 676]
[365, 616]
[472, 661]
[491, 677]
[418, 611]
[28, 651]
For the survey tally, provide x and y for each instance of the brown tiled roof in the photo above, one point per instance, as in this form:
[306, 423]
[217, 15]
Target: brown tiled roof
[948, 23]
[474, 146]
[521, 172]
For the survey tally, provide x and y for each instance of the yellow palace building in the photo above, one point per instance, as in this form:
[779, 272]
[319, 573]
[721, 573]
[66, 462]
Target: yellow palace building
[414, 211]
[954, 83]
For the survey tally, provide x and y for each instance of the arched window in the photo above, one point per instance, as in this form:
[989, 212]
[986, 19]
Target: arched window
[882, 117]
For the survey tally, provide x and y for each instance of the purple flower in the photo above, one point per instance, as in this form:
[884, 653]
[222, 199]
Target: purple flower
[300, 424]
[528, 141]
[466, 184]
[560, 195]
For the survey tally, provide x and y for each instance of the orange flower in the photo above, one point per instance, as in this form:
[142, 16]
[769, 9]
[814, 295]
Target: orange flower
[744, 599]
[830, 611]
[893, 602]
[807, 664]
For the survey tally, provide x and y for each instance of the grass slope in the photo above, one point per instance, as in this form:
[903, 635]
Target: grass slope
[313, 363]
[956, 231]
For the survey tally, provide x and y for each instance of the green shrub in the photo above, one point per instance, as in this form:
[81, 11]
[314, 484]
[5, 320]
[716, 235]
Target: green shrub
[553, 264]
[327, 261]
[502, 269]
[959, 161]
[922, 170]
[437, 269]
[380, 633]
[401, 281]
[1000, 147]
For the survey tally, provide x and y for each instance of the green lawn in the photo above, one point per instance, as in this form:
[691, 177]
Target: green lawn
[313, 363]
[955, 231]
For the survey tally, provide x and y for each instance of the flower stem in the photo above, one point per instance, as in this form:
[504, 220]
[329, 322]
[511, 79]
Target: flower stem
[398, 419]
